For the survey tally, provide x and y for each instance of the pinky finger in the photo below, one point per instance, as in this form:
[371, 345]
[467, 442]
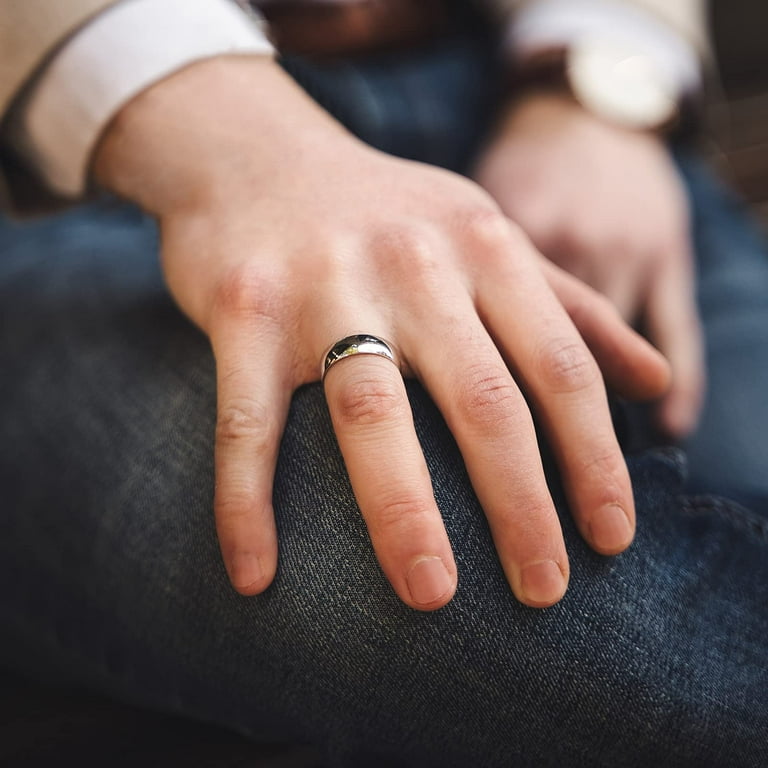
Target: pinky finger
[628, 362]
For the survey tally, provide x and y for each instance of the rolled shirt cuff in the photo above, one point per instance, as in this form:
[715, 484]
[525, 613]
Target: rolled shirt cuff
[551, 24]
[120, 53]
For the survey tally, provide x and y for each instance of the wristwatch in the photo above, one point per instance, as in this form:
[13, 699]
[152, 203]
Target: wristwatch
[624, 86]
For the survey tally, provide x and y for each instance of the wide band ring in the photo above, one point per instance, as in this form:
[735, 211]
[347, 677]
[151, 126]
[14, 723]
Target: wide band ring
[358, 344]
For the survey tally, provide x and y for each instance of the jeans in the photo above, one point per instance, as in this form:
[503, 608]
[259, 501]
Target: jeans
[110, 568]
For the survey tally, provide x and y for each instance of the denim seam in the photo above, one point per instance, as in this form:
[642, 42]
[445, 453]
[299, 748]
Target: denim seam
[740, 516]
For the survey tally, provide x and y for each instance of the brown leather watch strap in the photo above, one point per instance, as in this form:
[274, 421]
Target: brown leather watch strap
[327, 28]
[548, 71]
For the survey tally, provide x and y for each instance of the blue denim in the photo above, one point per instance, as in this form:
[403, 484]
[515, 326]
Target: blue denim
[112, 577]
[728, 454]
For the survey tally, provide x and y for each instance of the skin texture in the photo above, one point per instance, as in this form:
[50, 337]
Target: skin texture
[281, 234]
[606, 204]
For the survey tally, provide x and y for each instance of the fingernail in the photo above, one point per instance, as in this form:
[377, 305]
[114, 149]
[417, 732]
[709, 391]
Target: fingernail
[610, 529]
[542, 582]
[245, 570]
[428, 580]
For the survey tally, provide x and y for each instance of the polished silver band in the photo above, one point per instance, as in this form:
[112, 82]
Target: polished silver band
[359, 344]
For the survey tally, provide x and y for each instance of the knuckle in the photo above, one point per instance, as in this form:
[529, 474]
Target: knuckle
[233, 508]
[406, 240]
[368, 401]
[486, 226]
[246, 420]
[606, 473]
[534, 524]
[605, 464]
[410, 252]
[567, 366]
[517, 235]
[488, 398]
[495, 244]
[399, 515]
[250, 291]
[532, 527]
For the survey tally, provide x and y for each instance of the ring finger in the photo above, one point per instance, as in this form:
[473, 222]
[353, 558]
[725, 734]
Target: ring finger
[373, 423]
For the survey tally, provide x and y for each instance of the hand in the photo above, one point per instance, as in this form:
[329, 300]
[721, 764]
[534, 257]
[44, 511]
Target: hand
[282, 234]
[606, 204]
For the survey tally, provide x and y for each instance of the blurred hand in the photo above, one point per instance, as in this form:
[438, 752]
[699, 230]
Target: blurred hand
[607, 205]
[281, 234]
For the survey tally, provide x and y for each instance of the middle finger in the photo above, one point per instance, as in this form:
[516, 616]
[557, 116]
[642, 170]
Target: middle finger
[487, 414]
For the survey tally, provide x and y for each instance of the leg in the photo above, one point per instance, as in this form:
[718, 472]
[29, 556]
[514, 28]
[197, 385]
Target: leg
[108, 395]
[728, 452]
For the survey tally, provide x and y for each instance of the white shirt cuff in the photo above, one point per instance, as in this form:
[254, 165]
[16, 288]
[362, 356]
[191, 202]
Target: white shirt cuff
[113, 58]
[559, 23]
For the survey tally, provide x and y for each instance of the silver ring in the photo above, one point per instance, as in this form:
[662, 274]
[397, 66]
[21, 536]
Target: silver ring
[358, 344]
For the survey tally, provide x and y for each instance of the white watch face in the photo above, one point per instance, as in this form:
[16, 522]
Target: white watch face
[626, 87]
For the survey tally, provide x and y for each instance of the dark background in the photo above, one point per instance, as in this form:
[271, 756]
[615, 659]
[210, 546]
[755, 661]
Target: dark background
[740, 112]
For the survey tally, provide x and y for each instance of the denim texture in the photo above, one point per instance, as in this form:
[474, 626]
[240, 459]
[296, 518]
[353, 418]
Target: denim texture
[728, 454]
[112, 577]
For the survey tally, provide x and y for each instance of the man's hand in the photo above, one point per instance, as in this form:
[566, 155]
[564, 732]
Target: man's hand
[606, 204]
[281, 234]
